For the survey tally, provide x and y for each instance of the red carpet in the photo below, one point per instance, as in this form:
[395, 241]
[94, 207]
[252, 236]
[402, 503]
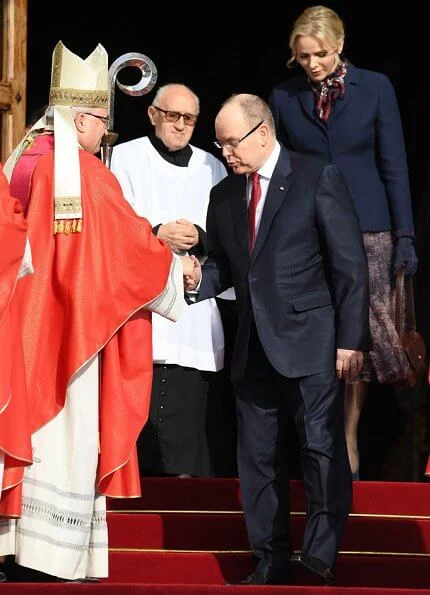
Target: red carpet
[208, 531]
[209, 568]
[370, 497]
[187, 537]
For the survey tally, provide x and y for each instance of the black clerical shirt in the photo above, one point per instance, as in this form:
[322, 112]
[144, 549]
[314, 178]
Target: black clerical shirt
[181, 157]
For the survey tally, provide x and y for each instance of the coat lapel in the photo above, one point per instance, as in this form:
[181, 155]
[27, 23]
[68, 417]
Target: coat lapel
[239, 209]
[351, 84]
[278, 187]
[307, 100]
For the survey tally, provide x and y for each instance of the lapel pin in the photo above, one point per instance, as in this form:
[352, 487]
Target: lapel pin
[281, 188]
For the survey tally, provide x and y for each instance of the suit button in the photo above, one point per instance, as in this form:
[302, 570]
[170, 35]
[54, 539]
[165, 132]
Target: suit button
[252, 279]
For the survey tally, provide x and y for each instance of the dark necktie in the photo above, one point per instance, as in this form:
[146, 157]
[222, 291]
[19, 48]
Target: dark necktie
[252, 207]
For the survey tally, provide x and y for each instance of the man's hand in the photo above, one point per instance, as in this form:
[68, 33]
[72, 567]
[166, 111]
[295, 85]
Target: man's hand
[348, 363]
[180, 235]
[192, 272]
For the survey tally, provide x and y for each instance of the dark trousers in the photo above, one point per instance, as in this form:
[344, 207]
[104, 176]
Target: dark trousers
[265, 399]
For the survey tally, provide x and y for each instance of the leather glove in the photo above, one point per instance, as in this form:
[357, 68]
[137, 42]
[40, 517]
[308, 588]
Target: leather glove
[405, 255]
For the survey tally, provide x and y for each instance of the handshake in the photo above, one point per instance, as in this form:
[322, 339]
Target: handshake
[192, 272]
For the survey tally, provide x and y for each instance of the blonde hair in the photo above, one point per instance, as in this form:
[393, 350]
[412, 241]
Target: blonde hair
[320, 22]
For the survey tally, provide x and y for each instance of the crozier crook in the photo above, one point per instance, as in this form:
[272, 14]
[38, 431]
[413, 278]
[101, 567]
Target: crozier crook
[143, 86]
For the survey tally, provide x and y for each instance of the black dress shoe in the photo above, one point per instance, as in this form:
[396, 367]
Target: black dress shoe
[272, 577]
[2, 577]
[316, 566]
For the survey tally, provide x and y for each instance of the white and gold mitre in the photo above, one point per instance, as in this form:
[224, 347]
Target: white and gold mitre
[77, 82]
[74, 83]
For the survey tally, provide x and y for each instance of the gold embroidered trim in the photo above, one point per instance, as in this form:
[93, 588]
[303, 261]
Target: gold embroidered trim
[56, 66]
[28, 141]
[78, 97]
[66, 205]
[68, 226]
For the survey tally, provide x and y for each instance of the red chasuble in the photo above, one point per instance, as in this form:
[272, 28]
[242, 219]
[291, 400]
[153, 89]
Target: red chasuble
[14, 426]
[86, 297]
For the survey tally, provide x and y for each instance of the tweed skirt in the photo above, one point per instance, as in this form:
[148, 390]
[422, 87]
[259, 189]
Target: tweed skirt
[387, 362]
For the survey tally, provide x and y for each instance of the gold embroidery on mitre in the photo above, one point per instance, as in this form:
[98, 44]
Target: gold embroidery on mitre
[57, 59]
[78, 97]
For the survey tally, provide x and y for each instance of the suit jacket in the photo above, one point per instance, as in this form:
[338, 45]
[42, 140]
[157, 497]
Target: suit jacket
[306, 282]
[363, 137]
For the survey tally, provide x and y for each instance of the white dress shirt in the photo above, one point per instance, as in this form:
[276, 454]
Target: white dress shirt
[266, 172]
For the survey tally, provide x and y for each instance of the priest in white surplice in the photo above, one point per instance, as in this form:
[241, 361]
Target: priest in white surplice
[168, 181]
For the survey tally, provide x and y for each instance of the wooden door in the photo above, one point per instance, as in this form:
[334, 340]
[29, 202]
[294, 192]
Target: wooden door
[13, 75]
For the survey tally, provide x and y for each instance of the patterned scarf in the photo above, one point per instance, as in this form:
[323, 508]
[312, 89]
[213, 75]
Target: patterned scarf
[328, 90]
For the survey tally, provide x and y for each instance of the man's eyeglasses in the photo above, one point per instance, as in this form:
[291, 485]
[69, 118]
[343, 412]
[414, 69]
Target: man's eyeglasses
[232, 144]
[169, 116]
[104, 119]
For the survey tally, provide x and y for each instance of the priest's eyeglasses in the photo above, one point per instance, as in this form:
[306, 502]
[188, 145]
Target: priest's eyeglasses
[169, 116]
[232, 144]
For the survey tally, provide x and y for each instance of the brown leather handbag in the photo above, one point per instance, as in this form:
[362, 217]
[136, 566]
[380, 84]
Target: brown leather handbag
[412, 342]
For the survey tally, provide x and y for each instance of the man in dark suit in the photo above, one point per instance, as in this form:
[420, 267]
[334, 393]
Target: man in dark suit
[303, 300]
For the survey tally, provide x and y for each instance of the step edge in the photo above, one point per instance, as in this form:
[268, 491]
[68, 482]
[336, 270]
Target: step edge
[240, 513]
[341, 552]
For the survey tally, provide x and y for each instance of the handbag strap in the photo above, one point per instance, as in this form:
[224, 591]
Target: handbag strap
[404, 289]
[410, 305]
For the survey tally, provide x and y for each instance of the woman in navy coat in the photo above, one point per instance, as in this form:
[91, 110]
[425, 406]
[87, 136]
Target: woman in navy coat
[350, 117]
